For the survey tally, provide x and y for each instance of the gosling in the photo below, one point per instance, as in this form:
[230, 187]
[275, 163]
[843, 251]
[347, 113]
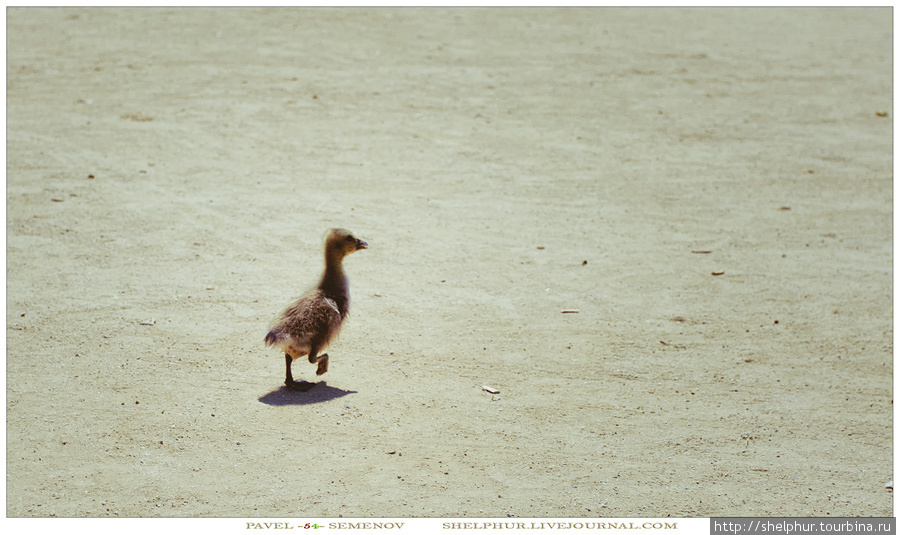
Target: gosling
[313, 321]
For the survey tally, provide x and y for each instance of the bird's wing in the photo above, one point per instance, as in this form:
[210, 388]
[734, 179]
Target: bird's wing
[331, 302]
[313, 319]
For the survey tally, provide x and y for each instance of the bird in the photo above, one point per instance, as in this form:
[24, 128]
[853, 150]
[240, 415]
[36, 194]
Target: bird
[310, 323]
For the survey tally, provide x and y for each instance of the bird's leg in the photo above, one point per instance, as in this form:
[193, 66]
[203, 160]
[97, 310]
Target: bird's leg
[288, 378]
[323, 364]
[321, 360]
[302, 386]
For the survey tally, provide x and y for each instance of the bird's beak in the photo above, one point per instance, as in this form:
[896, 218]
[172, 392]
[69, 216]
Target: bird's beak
[361, 245]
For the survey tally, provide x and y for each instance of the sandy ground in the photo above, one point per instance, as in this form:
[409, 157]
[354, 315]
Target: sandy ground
[171, 174]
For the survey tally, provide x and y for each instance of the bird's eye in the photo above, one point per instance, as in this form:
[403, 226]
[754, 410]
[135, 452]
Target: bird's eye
[351, 239]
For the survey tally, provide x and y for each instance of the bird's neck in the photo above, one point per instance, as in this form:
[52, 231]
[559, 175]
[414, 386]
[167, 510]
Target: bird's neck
[334, 281]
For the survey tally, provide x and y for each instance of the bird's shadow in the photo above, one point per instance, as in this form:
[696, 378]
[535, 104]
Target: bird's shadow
[320, 392]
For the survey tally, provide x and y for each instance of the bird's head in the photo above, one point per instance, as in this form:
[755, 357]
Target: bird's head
[342, 242]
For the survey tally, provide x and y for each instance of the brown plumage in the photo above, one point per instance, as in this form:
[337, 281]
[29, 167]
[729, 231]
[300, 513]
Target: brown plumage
[311, 323]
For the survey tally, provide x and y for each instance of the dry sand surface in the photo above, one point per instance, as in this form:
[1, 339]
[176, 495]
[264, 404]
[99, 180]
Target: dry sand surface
[710, 189]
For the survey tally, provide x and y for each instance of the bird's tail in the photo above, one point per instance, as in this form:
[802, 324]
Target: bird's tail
[275, 336]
